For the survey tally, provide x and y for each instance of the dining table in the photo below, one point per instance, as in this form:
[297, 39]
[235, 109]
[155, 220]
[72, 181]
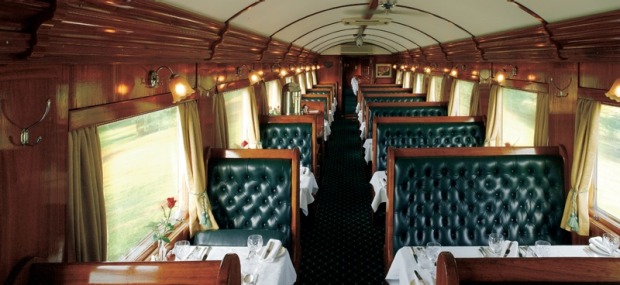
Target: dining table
[367, 150]
[280, 271]
[407, 268]
[307, 188]
[379, 185]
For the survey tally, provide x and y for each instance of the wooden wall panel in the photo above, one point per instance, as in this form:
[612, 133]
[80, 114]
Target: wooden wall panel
[33, 178]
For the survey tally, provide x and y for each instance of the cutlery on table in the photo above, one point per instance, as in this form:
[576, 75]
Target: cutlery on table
[419, 277]
[482, 251]
[508, 249]
[415, 256]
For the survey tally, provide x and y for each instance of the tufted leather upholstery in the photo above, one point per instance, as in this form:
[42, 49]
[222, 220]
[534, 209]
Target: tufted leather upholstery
[385, 90]
[395, 99]
[424, 135]
[251, 193]
[459, 200]
[404, 111]
[288, 136]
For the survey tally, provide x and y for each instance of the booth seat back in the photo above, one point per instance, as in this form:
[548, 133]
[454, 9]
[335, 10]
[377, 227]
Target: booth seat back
[415, 109]
[424, 133]
[289, 136]
[395, 99]
[315, 98]
[458, 196]
[366, 90]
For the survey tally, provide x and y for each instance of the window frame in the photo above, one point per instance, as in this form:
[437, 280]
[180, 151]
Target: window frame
[103, 114]
[599, 217]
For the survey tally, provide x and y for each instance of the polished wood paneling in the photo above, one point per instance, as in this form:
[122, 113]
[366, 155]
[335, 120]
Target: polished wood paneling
[33, 178]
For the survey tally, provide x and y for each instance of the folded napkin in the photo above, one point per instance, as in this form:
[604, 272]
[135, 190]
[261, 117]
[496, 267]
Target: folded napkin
[597, 245]
[304, 170]
[271, 250]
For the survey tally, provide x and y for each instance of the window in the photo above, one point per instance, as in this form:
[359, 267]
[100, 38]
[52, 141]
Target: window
[462, 97]
[519, 117]
[314, 82]
[238, 117]
[418, 83]
[141, 159]
[399, 77]
[308, 79]
[607, 198]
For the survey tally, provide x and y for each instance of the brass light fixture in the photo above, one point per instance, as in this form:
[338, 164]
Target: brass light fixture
[502, 74]
[178, 85]
[614, 91]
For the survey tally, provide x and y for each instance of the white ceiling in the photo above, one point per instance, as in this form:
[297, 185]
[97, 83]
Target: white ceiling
[315, 24]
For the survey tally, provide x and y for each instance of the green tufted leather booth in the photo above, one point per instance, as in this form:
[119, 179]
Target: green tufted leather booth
[457, 196]
[394, 99]
[288, 136]
[253, 191]
[366, 90]
[421, 132]
[414, 109]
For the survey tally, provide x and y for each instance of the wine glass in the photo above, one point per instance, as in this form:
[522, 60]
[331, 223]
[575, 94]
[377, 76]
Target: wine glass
[495, 243]
[255, 242]
[612, 242]
[542, 248]
[433, 248]
[181, 249]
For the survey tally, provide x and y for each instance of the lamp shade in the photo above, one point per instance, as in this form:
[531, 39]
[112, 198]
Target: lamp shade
[179, 88]
[500, 76]
[614, 91]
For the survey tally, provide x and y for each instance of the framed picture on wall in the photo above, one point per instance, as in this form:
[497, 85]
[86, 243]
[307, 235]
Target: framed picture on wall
[383, 70]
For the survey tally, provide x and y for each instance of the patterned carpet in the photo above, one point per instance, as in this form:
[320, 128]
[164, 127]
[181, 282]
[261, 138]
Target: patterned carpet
[340, 245]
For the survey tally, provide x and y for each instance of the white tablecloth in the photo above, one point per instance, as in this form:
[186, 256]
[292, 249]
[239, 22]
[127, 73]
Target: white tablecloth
[379, 184]
[362, 130]
[401, 269]
[357, 108]
[326, 131]
[360, 117]
[278, 272]
[307, 187]
[367, 150]
[330, 116]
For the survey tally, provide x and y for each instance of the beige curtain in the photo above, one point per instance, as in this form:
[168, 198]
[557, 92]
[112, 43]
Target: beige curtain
[254, 132]
[541, 126]
[475, 100]
[576, 216]
[399, 77]
[493, 135]
[199, 208]
[453, 100]
[86, 221]
[221, 131]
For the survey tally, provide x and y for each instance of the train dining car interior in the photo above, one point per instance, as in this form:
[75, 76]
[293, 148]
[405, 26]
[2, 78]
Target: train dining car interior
[309, 142]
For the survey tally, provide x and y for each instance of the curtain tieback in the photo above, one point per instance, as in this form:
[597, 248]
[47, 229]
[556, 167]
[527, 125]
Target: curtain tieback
[573, 220]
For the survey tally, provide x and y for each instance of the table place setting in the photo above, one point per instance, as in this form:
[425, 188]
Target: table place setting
[267, 264]
[367, 150]
[604, 246]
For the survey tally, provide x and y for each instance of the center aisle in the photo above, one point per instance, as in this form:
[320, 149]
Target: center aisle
[343, 247]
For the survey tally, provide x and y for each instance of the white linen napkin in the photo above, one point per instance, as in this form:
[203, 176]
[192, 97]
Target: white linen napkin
[271, 250]
[597, 245]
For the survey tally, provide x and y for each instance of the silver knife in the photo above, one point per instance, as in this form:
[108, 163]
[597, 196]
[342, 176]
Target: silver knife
[482, 251]
[419, 277]
[415, 256]
[508, 249]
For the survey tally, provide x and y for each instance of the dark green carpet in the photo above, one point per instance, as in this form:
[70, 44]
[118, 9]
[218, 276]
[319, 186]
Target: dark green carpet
[342, 246]
[350, 101]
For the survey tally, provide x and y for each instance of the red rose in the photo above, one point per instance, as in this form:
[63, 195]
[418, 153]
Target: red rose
[171, 202]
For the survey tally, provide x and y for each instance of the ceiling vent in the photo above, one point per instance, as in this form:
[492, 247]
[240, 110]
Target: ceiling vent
[366, 22]
[352, 49]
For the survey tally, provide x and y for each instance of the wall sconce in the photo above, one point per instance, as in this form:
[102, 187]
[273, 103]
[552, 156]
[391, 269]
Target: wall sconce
[254, 77]
[283, 72]
[427, 69]
[178, 85]
[614, 91]
[502, 74]
[318, 67]
[276, 67]
[454, 72]
[395, 66]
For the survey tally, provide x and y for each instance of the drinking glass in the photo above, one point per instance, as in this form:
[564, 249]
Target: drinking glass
[495, 243]
[433, 248]
[542, 248]
[255, 242]
[612, 242]
[181, 249]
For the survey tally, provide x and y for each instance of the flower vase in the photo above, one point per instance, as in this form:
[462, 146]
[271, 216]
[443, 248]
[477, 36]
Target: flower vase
[161, 250]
